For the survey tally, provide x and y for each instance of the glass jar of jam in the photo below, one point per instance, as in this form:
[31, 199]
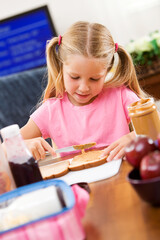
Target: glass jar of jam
[145, 118]
[24, 167]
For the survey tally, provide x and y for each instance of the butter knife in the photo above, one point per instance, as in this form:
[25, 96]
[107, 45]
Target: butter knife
[75, 147]
[48, 161]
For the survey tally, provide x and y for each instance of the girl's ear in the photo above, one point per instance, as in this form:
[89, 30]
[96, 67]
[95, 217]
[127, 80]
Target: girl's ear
[112, 71]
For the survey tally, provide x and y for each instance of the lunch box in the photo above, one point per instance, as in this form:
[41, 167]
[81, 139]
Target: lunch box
[61, 224]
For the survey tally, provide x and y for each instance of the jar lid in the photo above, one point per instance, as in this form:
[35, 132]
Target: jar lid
[141, 104]
[10, 131]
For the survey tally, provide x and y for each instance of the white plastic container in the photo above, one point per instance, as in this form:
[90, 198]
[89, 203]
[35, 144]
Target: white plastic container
[60, 223]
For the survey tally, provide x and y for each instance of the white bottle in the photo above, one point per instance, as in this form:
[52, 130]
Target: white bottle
[23, 166]
[6, 179]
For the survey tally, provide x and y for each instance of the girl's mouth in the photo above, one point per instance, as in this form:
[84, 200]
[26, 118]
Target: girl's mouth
[82, 96]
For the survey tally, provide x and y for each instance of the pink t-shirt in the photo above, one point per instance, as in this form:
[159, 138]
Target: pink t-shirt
[103, 121]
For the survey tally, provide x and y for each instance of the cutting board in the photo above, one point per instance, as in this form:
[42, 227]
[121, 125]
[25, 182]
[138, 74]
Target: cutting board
[93, 174]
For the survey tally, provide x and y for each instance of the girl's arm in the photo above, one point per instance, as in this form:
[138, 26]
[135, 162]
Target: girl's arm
[30, 130]
[116, 149]
[35, 143]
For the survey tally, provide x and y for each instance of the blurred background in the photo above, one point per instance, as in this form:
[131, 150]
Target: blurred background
[126, 19]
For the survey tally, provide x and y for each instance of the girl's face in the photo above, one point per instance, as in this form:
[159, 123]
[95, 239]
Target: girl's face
[83, 79]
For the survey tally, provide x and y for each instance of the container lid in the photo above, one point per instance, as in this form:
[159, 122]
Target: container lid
[10, 131]
[141, 105]
[7, 199]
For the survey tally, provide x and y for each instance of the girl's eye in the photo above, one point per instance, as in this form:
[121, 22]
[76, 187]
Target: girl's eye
[74, 77]
[94, 79]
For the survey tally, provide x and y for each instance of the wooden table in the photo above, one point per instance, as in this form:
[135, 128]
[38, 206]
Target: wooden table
[115, 211]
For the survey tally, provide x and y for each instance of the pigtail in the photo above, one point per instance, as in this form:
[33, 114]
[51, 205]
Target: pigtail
[128, 73]
[55, 84]
[125, 73]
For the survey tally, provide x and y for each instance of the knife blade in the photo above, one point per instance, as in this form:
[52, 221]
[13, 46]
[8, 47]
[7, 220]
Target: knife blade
[75, 147]
[50, 160]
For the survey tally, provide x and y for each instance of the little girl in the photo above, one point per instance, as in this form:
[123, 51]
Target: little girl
[91, 81]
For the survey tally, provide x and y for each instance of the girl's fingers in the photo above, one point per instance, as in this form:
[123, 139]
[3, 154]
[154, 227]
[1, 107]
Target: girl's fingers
[36, 155]
[47, 147]
[120, 154]
[41, 147]
[38, 147]
[109, 149]
[114, 153]
[41, 152]
[116, 149]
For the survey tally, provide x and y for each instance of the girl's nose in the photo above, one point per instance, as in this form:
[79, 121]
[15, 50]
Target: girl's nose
[84, 87]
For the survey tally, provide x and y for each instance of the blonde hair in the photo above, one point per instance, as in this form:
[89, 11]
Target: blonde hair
[90, 40]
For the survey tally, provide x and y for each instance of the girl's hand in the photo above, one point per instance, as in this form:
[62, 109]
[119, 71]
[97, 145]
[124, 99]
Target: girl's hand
[38, 147]
[116, 149]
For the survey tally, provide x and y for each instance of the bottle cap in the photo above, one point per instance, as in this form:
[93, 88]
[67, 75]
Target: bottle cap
[10, 131]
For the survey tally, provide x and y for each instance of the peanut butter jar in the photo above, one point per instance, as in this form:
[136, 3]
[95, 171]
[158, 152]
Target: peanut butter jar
[144, 118]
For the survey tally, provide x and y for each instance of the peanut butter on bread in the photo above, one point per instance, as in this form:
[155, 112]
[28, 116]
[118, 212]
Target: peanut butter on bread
[87, 160]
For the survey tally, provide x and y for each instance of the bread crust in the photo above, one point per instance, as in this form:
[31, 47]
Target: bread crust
[59, 170]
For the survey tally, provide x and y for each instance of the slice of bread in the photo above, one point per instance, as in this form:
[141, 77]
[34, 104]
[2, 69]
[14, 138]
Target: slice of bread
[56, 170]
[87, 160]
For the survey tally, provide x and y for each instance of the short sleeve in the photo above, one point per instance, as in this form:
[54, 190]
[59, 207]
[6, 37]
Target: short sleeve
[40, 117]
[128, 97]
